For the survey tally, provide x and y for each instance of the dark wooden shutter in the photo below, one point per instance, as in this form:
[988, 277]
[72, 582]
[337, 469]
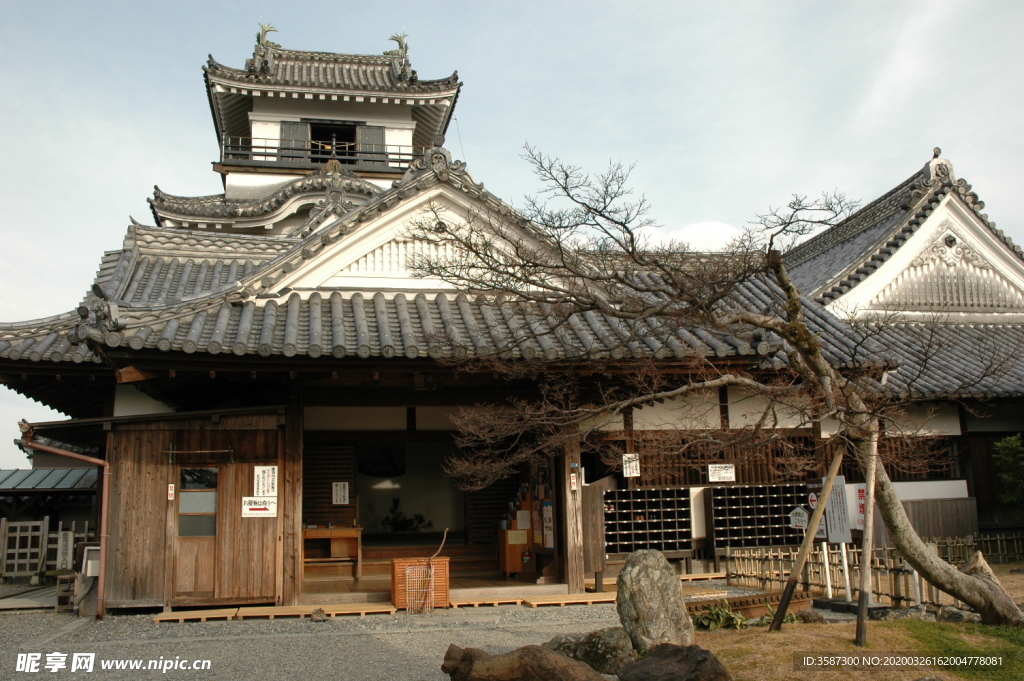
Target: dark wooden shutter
[294, 140]
[370, 144]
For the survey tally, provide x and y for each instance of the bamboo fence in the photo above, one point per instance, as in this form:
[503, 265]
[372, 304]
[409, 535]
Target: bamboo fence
[893, 580]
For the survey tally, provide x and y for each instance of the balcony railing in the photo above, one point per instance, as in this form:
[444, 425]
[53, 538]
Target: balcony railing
[361, 155]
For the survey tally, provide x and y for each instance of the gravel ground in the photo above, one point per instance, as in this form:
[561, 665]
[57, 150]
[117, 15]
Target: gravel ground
[364, 649]
[384, 647]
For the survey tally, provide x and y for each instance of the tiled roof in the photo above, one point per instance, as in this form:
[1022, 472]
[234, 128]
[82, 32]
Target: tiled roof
[834, 261]
[217, 206]
[181, 291]
[160, 266]
[325, 70]
[955, 360]
[374, 325]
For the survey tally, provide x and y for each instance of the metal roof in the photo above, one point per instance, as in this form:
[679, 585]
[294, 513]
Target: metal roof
[21, 480]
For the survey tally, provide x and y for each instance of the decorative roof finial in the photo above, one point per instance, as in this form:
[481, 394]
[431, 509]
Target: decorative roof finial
[403, 47]
[936, 152]
[261, 37]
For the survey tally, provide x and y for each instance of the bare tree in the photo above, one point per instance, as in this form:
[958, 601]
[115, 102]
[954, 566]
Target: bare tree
[583, 246]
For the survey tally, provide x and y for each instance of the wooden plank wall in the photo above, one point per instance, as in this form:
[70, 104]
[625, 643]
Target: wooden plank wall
[137, 554]
[142, 518]
[935, 518]
[486, 507]
[322, 465]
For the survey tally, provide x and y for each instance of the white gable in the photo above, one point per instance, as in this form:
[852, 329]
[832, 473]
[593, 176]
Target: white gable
[375, 253]
[953, 266]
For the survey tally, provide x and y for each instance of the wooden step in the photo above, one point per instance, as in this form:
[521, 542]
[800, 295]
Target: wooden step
[477, 602]
[570, 599]
[196, 615]
[303, 611]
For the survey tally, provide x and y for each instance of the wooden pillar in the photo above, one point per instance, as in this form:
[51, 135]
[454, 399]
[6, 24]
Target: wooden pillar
[572, 518]
[290, 535]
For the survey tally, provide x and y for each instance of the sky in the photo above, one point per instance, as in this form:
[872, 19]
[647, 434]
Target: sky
[725, 108]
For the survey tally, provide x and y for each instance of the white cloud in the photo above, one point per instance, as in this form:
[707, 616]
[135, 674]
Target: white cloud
[711, 235]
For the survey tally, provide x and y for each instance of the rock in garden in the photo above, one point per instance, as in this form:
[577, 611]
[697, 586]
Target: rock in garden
[811, 617]
[607, 651]
[669, 662]
[950, 614]
[529, 663]
[918, 613]
[650, 602]
[1017, 571]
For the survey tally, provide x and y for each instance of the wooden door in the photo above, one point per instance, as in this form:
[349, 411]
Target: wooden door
[195, 540]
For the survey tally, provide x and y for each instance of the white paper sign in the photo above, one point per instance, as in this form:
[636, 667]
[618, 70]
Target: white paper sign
[265, 484]
[523, 520]
[798, 518]
[721, 472]
[339, 493]
[631, 465]
[259, 507]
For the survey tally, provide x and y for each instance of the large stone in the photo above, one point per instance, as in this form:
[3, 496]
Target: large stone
[607, 651]
[529, 663]
[669, 662]
[811, 616]
[950, 614]
[916, 613]
[650, 602]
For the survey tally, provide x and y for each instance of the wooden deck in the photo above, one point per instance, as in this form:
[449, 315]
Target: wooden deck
[570, 599]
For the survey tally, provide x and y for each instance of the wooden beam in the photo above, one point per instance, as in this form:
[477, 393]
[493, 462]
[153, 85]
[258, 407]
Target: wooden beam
[572, 514]
[132, 374]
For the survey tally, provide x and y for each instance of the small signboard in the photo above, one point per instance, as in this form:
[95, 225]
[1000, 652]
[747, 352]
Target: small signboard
[259, 507]
[835, 526]
[862, 494]
[339, 493]
[265, 484]
[170, 492]
[798, 518]
[721, 472]
[548, 514]
[631, 465]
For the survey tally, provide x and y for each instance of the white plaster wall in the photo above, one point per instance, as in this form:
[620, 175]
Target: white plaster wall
[354, 418]
[925, 419]
[242, 185]
[693, 412]
[129, 401]
[912, 491]
[602, 422]
[746, 408]
[370, 113]
[434, 418]
[700, 528]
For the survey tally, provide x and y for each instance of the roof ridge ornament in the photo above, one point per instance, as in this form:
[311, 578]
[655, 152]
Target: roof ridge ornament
[940, 168]
[400, 58]
[262, 62]
[335, 202]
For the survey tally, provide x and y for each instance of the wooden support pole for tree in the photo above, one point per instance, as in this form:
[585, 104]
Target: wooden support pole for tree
[808, 542]
[864, 600]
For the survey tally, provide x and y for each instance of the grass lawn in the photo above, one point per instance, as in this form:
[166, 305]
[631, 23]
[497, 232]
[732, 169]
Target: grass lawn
[755, 654]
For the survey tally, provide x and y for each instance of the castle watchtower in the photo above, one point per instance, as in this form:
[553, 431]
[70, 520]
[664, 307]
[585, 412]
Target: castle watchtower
[288, 113]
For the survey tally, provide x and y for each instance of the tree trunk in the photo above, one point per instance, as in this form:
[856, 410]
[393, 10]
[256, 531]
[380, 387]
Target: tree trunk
[978, 589]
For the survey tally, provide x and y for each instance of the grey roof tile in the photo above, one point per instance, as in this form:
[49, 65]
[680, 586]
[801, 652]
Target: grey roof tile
[325, 70]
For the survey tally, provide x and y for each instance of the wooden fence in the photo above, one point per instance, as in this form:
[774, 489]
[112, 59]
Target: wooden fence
[893, 581]
[29, 548]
